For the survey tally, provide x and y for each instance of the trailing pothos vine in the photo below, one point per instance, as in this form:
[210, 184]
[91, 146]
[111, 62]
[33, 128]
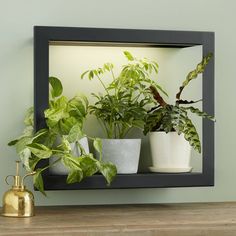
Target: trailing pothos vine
[64, 119]
[166, 117]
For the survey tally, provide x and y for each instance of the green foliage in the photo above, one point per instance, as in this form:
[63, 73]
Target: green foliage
[124, 104]
[194, 74]
[166, 117]
[38, 181]
[108, 170]
[64, 119]
[56, 87]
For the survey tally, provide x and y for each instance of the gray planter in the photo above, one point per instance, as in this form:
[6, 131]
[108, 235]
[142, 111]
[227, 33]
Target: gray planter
[124, 153]
[59, 168]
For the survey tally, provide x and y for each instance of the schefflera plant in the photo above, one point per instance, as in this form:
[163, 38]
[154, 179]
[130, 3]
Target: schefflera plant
[64, 125]
[167, 117]
[124, 104]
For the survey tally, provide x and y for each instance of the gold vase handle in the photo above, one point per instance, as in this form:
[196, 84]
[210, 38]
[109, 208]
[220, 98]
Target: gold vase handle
[29, 174]
[8, 177]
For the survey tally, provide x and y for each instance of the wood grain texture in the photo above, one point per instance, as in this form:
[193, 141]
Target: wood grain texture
[207, 219]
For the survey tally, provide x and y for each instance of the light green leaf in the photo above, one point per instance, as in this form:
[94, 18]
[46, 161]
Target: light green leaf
[22, 143]
[74, 176]
[25, 155]
[129, 56]
[88, 165]
[28, 131]
[66, 125]
[38, 181]
[72, 163]
[29, 117]
[75, 133]
[108, 170]
[53, 116]
[97, 143]
[91, 75]
[56, 85]
[64, 145]
[40, 150]
[82, 76]
[78, 107]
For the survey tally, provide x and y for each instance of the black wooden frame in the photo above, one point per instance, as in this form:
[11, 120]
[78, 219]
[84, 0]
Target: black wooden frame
[43, 35]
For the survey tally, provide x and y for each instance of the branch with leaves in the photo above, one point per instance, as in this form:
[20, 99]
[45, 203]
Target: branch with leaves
[123, 105]
[167, 117]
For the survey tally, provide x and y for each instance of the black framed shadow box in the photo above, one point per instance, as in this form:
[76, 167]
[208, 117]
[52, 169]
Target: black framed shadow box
[44, 36]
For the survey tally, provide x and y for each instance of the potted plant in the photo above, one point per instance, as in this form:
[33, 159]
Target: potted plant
[122, 107]
[64, 119]
[172, 133]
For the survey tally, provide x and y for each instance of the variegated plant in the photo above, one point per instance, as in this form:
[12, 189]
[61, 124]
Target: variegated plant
[64, 119]
[167, 117]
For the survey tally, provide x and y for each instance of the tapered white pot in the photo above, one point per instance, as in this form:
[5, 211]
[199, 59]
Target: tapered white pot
[59, 168]
[123, 153]
[170, 152]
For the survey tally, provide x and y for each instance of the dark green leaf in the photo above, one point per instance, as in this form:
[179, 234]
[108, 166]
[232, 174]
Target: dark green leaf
[56, 85]
[13, 142]
[194, 74]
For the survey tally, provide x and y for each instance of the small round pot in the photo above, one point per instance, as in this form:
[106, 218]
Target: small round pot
[124, 153]
[59, 168]
[170, 152]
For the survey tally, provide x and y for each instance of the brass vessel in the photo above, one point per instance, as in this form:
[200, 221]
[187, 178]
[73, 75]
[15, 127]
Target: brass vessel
[18, 201]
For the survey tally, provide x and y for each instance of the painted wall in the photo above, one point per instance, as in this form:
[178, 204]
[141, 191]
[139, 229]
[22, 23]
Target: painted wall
[17, 19]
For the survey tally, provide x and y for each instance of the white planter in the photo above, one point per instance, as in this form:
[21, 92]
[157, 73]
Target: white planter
[124, 153]
[59, 168]
[170, 152]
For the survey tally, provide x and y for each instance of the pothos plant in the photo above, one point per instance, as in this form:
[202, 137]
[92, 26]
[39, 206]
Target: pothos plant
[167, 117]
[123, 105]
[64, 125]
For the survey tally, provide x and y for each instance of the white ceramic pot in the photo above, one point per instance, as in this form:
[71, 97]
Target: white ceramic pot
[59, 168]
[170, 152]
[124, 153]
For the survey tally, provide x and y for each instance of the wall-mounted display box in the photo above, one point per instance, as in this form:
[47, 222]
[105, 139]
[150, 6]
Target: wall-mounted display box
[46, 36]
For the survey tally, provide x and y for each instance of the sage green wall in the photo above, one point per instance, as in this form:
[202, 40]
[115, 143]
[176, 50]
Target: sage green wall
[17, 19]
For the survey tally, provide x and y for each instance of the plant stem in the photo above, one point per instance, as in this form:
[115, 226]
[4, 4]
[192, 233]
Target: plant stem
[103, 84]
[114, 79]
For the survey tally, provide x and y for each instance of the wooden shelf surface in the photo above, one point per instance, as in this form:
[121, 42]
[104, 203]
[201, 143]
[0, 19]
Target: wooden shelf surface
[197, 219]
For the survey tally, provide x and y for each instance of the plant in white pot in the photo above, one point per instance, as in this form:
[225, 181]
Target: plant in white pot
[123, 107]
[172, 132]
[61, 141]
